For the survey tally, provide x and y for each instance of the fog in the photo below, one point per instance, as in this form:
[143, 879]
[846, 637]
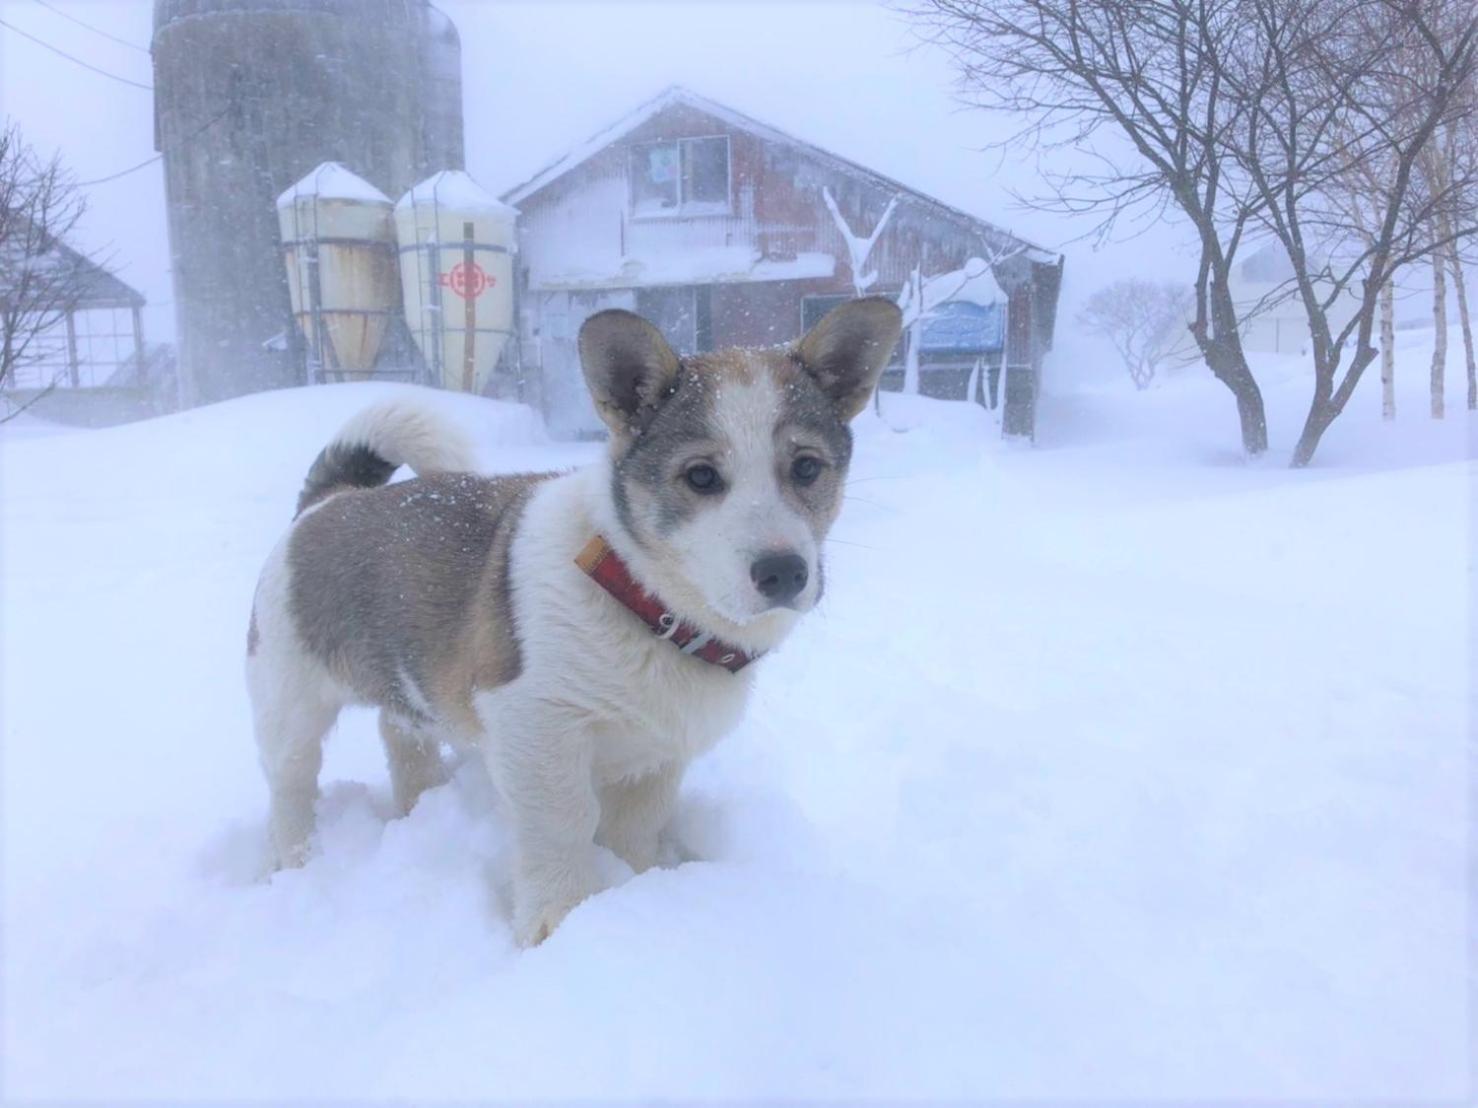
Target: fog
[542, 77]
[1123, 761]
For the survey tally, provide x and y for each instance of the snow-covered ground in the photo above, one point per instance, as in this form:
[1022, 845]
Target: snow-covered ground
[1114, 768]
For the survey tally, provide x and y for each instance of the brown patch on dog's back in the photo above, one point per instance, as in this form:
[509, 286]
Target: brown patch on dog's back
[404, 592]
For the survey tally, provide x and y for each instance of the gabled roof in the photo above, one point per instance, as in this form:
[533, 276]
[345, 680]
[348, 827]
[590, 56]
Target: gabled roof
[677, 95]
[94, 285]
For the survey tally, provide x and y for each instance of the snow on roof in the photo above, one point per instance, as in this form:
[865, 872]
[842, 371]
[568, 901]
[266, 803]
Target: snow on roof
[451, 188]
[676, 94]
[714, 265]
[973, 282]
[331, 181]
[93, 285]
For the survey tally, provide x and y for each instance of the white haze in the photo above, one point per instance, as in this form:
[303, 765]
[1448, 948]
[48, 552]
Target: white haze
[540, 78]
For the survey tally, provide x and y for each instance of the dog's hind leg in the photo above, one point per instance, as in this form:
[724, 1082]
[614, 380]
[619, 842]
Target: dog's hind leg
[291, 716]
[415, 762]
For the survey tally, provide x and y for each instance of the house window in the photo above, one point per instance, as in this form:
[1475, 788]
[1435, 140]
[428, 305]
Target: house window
[683, 315]
[688, 175]
[98, 346]
[705, 171]
[654, 185]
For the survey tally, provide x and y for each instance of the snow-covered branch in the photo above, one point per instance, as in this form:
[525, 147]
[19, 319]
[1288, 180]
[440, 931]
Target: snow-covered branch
[974, 282]
[859, 249]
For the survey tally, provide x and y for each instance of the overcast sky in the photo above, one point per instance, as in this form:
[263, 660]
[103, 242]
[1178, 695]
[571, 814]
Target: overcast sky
[540, 77]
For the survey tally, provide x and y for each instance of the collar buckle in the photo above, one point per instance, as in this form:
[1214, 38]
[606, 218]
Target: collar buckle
[606, 568]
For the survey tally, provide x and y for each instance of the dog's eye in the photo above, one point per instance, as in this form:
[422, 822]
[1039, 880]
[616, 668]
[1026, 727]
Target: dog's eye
[703, 478]
[805, 469]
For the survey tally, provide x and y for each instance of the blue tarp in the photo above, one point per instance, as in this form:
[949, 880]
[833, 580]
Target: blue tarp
[959, 327]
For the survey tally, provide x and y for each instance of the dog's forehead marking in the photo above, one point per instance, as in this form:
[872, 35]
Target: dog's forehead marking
[746, 410]
[754, 392]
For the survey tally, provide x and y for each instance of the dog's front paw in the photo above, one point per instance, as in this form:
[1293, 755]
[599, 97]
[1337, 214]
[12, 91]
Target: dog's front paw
[543, 897]
[290, 845]
[673, 852]
[532, 928]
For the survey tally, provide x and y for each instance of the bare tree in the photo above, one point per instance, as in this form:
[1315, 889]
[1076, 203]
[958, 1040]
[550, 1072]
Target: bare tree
[1439, 334]
[1131, 87]
[1359, 193]
[1440, 199]
[1449, 164]
[1388, 350]
[41, 282]
[1470, 355]
[1143, 319]
[1246, 115]
[1435, 170]
[1324, 84]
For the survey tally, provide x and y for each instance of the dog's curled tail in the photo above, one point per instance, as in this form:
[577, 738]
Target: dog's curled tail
[377, 442]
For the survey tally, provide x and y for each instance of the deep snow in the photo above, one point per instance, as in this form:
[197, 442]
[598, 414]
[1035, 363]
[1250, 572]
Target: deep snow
[1113, 768]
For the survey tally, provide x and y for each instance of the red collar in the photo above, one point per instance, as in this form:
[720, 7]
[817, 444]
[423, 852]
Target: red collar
[608, 570]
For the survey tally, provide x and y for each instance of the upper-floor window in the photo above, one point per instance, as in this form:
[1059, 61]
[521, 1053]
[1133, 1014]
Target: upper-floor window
[681, 177]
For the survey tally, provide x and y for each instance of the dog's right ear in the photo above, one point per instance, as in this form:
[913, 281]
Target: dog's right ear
[629, 368]
[846, 352]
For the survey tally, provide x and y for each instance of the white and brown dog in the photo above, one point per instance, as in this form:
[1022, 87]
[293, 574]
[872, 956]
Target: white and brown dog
[588, 633]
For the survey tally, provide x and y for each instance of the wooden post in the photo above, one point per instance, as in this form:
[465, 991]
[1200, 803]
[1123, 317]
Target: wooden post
[72, 369]
[138, 345]
[1019, 384]
[469, 301]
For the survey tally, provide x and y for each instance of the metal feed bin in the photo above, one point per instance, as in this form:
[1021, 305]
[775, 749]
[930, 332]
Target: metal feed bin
[456, 271]
[338, 241]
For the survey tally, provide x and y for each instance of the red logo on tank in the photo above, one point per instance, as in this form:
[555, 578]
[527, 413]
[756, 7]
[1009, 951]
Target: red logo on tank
[467, 281]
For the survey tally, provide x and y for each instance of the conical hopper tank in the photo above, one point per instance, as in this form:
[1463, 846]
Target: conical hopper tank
[456, 273]
[338, 238]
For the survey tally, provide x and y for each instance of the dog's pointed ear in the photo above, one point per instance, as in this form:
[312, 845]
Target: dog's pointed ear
[629, 368]
[847, 350]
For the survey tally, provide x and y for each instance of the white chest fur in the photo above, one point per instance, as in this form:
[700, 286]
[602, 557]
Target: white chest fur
[592, 665]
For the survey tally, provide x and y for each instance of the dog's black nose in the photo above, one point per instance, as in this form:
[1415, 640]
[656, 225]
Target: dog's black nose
[779, 577]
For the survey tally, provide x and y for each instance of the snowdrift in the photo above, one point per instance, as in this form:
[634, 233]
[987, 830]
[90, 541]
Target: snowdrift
[1103, 772]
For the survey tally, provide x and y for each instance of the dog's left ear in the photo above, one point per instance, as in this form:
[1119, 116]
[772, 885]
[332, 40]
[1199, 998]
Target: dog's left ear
[628, 366]
[847, 350]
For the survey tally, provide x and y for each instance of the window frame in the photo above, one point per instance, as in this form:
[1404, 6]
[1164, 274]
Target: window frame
[699, 310]
[684, 207]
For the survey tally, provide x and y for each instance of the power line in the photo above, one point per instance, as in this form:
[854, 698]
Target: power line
[209, 123]
[121, 172]
[90, 27]
[70, 58]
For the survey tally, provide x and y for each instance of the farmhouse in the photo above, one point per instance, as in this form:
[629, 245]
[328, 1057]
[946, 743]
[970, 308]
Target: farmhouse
[724, 231]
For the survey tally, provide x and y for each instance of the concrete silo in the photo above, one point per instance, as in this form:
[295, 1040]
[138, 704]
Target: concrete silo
[249, 96]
